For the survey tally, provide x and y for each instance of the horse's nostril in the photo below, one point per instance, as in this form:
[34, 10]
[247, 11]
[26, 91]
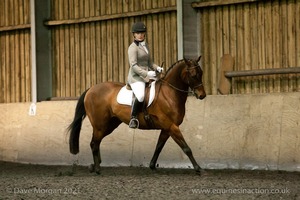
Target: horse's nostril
[202, 96]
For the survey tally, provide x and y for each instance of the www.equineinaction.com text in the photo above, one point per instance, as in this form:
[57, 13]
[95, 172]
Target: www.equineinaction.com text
[241, 191]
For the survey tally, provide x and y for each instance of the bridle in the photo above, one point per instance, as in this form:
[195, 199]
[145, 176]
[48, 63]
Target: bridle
[175, 88]
[184, 91]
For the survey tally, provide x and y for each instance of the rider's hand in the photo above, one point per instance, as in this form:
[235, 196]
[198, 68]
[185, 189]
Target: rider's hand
[151, 74]
[159, 69]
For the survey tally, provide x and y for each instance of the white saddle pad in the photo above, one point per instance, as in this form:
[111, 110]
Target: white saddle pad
[125, 96]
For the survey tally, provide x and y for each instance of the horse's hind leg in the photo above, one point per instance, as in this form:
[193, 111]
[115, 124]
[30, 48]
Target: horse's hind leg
[163, 137]
[98, 135]
[95, 147]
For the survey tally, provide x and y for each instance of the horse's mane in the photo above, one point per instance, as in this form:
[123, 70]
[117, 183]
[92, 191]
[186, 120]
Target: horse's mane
[173, 65]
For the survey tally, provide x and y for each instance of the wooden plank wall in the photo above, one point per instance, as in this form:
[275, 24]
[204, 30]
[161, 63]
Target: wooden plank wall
[15, 60]
[259, 35]
[90, 40]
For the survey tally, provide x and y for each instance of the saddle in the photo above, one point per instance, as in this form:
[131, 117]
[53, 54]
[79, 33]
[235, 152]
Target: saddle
[124, 97]
[148, 84]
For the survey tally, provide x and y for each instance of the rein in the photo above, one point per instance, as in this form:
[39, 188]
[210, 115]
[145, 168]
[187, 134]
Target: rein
[180, 90]
[175, 88]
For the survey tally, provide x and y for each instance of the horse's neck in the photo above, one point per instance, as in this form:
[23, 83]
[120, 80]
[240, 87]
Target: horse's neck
[176, 84]
[174, 77]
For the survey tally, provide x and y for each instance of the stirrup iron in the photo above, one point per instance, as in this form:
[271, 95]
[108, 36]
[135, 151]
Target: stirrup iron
[134, 123]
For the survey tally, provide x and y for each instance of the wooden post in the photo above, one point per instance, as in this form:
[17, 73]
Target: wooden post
[227, 63]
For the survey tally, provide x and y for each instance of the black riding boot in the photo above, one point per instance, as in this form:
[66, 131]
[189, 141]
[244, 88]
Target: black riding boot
[135, 109]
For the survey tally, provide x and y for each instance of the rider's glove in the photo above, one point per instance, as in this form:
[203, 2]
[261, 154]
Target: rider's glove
[151, 74]
[159, 69]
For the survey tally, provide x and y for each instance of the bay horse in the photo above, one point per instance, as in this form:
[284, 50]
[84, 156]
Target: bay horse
[166, 111]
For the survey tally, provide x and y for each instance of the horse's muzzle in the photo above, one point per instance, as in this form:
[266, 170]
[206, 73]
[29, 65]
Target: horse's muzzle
[200, 93]
[202, 96]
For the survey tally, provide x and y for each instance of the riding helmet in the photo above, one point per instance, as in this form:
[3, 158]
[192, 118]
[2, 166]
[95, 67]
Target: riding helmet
[138, 27]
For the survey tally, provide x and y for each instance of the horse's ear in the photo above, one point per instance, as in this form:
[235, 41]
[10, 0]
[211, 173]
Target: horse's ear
[186, 61]
[198, 59]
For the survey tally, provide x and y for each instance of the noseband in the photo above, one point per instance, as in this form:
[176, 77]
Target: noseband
[199, 85]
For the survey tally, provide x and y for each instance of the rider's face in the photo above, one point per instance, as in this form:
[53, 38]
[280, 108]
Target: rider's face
[139, 36]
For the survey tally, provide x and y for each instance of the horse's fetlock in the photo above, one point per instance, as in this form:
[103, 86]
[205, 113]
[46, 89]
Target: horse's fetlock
[92, 144]
[187, 150]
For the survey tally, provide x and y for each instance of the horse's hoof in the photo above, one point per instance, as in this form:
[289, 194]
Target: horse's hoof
[198, 170]
[153, 167]
[201, 172]
[92, 168]
[97, 170]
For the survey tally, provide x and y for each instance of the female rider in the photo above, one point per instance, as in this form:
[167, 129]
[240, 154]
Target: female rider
[141, 69]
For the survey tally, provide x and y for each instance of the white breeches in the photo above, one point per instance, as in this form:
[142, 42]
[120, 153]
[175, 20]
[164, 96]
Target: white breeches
[138, 89]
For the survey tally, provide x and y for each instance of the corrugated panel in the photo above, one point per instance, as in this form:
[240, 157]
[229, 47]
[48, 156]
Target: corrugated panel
[86, 53]
[259, 35]
[15, 61]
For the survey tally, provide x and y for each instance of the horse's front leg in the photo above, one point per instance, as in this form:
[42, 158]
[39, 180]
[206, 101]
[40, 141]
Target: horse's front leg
[163, 137]
[178, 138]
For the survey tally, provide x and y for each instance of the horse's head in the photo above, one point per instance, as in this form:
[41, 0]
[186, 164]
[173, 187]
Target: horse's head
[193, 77]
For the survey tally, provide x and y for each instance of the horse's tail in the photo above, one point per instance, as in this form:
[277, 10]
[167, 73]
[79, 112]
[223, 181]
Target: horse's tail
[75, 126]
